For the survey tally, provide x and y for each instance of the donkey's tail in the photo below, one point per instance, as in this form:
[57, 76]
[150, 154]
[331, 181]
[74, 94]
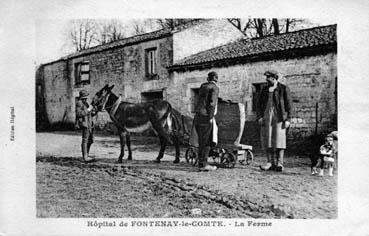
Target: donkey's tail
[175, 123]
[179, 127]
[172, 121]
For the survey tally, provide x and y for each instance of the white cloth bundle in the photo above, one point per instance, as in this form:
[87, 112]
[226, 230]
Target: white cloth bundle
[215, 131]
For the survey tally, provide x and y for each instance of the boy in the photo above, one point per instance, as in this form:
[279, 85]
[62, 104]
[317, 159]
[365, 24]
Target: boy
[326, 157]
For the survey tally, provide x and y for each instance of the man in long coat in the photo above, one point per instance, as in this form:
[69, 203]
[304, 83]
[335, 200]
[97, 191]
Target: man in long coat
[84, 113]
[274, 113]
[204, 118]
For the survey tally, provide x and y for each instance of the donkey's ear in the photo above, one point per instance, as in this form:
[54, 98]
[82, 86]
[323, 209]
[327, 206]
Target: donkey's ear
[111, 87]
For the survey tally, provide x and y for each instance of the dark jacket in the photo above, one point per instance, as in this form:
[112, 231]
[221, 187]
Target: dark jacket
[84, 117]
[208, 99]
[282, 100]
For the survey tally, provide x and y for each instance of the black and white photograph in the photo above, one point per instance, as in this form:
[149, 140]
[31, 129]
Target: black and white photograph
[223, 120]
[198, 118]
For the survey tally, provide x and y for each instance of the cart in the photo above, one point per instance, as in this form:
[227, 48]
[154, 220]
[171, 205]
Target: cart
[230, 119]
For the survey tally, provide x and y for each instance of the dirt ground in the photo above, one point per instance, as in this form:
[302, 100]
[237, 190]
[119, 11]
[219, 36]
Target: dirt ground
[67, 187]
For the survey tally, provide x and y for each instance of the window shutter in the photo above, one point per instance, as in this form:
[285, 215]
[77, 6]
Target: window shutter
[77, 73]
[154, 61]
[147, 63]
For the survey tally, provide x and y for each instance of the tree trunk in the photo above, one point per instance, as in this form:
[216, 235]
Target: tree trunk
[275, 26]
[287, 25]
[259, 25]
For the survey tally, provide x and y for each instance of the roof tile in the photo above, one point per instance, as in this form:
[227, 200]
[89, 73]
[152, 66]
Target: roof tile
[245, 47]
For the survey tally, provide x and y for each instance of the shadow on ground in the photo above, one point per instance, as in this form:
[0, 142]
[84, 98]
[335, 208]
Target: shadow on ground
[137, 164]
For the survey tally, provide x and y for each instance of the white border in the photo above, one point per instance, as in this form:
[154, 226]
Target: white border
[17, 70]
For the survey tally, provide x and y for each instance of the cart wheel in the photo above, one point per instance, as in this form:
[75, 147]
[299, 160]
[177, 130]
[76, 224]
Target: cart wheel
[191, 156]
[247, 158]
[228, 159]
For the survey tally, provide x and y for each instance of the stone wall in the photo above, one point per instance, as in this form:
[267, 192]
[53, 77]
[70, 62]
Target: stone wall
[57, 93]
[124, 67]
[41, 115]
[312, 81]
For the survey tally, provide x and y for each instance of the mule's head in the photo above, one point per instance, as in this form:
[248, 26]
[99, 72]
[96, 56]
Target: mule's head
[101, 97]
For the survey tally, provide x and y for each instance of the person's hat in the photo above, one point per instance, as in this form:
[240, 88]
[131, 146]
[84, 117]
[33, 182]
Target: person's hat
[83, 94]
[213, 76]
[272, 73]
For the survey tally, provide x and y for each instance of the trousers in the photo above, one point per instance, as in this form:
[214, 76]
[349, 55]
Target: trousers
[204, 131]
[87, 140]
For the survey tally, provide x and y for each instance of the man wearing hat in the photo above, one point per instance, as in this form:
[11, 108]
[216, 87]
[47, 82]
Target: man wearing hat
[203, 120]
[84, 113]
[274, 113]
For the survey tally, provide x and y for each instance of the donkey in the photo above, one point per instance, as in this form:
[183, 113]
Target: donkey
[138, 117]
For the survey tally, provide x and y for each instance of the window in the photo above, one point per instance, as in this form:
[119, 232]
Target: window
[194, 98]
[151, 68]
[82, 73]
[256, 89]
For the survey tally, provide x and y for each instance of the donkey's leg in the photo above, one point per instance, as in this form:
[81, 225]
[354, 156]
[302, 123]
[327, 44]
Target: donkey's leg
[176, 145]
[122, 135]
[128, 140]
[163, 144]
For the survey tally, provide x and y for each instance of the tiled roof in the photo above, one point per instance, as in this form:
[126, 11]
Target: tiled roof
[122, 42]
[325, 35]
[135, 39]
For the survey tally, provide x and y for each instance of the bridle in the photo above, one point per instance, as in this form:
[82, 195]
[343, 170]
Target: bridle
[113, 108]
[106, 100]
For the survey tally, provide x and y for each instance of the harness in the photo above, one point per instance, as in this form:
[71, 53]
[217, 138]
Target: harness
[114, 109]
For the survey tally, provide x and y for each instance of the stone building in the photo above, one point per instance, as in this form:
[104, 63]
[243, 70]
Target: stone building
[306, 61]
[171, 65]
[137, 66]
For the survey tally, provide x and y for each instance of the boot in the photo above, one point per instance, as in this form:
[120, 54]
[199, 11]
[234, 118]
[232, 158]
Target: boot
[267, 166]
[204, 162]
[321, 172]
[85, 156]
[270, 165]
[88, 149]
[279, 166]
[200, 158]
[330, 171]
[206, 155]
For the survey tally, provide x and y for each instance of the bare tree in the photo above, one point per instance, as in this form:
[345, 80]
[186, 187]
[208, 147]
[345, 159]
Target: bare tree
[172, 23]
[138, 27]
[82, 34]
[261, 27]
[85, 33]
[110, 30]
[275, 25]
